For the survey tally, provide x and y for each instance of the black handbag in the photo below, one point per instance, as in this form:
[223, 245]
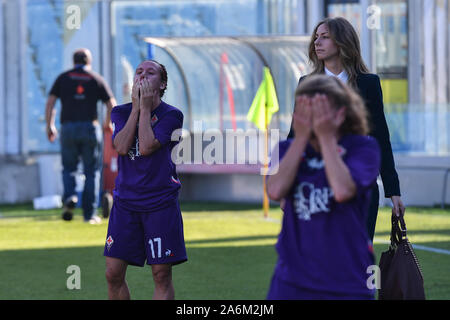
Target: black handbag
[401, 275]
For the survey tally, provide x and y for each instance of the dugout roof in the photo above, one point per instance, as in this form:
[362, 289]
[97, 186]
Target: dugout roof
[214, 79]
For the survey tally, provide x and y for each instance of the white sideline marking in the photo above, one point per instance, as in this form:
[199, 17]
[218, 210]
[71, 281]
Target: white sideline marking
[415, 246]
[418, 247]
[435, 250]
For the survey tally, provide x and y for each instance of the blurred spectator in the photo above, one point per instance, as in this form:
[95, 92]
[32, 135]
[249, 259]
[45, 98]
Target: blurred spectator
[81, 135]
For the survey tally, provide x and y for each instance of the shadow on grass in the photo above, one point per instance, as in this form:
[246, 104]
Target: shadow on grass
[39, 215]
[415, 232]
[198, 206]
[221, 273]
[27, 211]
[249, 238]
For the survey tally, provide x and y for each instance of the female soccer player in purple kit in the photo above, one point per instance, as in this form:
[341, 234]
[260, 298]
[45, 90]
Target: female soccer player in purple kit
[325, 174]
[145, 223]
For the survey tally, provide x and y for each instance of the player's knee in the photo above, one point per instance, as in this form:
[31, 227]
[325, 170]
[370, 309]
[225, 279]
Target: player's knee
[162, 275]
[114, 276]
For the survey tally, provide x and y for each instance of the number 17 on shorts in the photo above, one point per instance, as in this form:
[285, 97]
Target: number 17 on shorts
[155, 242]
[157, 250]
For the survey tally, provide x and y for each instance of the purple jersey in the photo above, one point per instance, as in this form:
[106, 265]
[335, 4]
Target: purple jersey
[148, 183]
[323, 245]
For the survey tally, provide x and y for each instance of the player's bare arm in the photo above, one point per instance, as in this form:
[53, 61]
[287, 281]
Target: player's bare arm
[126, 137]
[326, 123]
[109, 105]
[278, 185]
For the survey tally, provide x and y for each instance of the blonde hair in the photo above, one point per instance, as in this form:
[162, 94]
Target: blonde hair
[340, 95]
[346, 39]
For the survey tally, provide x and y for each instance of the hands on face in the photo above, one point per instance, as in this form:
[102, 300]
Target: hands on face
[302, 117]
[144, 95]
[135, 91]
[315, 114]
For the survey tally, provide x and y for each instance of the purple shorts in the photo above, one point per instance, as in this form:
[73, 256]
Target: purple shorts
[136, 237]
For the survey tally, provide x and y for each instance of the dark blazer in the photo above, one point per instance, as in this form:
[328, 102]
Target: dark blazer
[370, 90]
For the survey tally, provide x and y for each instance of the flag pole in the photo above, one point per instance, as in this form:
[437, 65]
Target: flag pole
[266, 165]
[259, 114]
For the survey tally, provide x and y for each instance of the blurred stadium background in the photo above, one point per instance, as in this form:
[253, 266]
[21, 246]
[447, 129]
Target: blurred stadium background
[407, 42]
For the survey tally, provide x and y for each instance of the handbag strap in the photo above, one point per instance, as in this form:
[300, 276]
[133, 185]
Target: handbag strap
[398, 229]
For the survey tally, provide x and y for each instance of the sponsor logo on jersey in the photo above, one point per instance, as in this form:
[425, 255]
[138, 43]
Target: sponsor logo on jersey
[317, 164]
[310, 200]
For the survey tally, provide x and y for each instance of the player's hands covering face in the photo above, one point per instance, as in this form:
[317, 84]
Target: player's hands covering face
[326, 119]
[149, 95]
[135, 93]
[316, 115]
[302, 118]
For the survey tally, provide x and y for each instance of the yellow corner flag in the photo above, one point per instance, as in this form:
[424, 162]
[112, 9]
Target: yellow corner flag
[265, 103]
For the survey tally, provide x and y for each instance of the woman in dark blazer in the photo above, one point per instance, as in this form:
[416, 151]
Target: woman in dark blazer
[335, 50]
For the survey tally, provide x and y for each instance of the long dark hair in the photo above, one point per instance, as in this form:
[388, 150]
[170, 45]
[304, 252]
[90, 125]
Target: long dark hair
[346, 39]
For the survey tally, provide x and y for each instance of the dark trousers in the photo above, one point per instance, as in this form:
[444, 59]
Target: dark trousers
[373, 211]
[82, 140]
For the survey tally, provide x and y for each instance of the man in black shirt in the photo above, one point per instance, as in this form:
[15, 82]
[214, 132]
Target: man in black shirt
[79, 90]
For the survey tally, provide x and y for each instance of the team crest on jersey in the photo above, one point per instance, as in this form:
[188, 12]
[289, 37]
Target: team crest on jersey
[154, 120]
[109, 242]
[341, 150]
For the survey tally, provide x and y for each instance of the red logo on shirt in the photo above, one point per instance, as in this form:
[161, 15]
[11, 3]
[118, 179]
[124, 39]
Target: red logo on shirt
[80, 89]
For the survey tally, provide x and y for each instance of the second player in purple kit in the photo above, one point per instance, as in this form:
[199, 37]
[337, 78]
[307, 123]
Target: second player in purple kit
[145, 223]
[324, 179]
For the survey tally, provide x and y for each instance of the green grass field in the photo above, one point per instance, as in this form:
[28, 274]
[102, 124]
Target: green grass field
[230, 249]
